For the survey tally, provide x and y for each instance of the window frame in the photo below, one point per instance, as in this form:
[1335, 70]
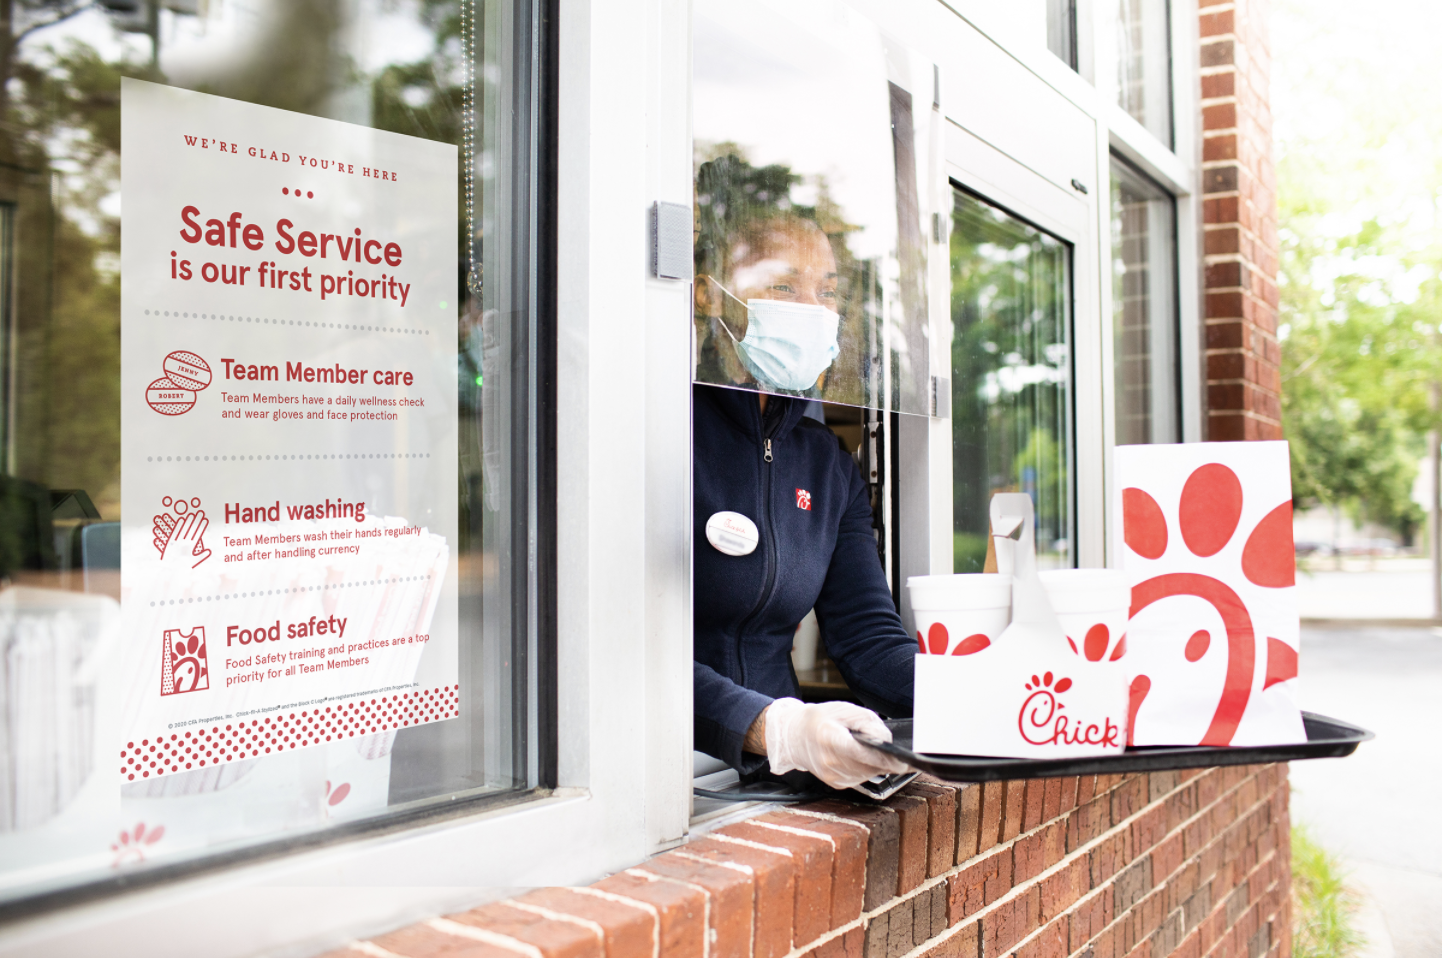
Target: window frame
[1176, 310]
[603, 646]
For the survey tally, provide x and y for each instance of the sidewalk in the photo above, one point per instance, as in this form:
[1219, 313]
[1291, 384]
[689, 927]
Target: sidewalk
[1379, 589]
[1379, 810]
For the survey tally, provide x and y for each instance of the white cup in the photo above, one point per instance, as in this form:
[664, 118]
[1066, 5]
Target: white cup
[959, 614]
[1093, 607]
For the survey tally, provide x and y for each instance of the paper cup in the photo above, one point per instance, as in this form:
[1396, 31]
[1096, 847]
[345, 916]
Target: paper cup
[1093, 606]
[959, 614]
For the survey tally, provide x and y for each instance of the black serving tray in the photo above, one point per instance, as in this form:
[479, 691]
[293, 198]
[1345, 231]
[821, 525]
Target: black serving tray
[1325, 738]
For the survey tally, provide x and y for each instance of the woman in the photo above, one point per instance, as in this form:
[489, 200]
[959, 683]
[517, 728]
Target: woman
[767, 290]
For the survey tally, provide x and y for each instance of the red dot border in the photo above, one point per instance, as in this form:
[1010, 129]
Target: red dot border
[206, 747]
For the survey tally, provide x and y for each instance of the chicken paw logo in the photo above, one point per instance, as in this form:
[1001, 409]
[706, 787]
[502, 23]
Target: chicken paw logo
[130, 846]
[183, 661]
[938, 643]
[1096, 643]
[1234, 566]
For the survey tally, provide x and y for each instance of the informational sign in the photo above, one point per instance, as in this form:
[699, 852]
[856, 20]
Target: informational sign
[288, 432]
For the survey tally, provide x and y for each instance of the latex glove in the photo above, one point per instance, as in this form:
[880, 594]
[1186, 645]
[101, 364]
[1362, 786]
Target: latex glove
[815, 738]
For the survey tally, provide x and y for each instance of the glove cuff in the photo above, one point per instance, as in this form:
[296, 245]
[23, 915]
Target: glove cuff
[779, 720]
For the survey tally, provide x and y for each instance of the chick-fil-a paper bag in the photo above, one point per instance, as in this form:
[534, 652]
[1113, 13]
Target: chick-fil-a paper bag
[1026, 694]
[1204, 531]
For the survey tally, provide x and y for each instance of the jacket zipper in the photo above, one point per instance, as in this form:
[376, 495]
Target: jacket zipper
[769, 556]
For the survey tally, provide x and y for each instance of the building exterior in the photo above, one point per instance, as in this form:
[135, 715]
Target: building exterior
[1080, 207]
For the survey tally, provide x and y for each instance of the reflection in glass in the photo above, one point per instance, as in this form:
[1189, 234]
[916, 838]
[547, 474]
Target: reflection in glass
[812, 146]
[1060, 33]
[1142, 227]
[399, 65]
[1142, 47]
[1010, 305]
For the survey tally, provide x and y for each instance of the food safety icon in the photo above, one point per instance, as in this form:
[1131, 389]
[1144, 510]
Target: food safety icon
[183, 661]
[178, 537]
[175, 393]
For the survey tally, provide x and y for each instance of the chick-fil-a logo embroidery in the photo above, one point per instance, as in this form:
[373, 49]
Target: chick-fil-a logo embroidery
[805, 499]
[1042, 720]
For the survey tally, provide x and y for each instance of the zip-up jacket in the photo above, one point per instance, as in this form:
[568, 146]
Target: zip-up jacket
[816, 550]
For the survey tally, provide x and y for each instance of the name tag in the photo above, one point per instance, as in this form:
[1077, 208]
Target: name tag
[732, 533]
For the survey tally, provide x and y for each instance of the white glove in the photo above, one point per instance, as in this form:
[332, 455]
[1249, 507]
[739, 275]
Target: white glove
[815, 738]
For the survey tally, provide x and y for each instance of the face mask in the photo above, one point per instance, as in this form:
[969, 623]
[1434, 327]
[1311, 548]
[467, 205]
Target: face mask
[788, 345]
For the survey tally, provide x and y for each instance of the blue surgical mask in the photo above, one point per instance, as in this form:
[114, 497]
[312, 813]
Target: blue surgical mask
[788, 345]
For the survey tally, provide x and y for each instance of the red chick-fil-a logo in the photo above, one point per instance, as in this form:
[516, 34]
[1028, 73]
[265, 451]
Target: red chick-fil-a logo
[1042, 720]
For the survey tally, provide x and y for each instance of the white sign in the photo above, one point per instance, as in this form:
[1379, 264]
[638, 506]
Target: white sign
[288, 432]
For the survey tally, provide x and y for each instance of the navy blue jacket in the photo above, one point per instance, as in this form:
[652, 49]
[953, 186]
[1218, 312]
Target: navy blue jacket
[823, 557]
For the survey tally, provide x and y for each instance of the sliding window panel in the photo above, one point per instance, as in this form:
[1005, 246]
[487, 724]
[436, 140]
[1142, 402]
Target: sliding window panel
[1011, 308]
[1146, 309]
[1142, 51]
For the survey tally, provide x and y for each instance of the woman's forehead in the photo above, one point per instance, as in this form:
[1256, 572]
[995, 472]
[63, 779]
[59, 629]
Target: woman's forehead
[797, 246]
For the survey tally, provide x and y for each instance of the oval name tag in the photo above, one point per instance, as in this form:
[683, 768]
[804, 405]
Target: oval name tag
[732, 533]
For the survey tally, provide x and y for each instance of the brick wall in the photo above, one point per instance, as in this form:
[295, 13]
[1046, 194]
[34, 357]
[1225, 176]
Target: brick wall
[1140, 866]
[1242, 356]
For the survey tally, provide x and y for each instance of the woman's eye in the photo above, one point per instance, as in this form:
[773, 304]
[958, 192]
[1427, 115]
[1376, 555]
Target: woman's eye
[782, 288]
[828, 294]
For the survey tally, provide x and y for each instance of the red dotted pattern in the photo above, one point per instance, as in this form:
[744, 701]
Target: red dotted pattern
[207, 747]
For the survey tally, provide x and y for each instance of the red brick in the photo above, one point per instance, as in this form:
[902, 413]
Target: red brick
[628, 930]
[772, 890]
[913, 815]
[991, 813]
[812, 874]
[1051, 941]
[962, 942]
[850, 859]
[881, 883]
[1012, 819]
[1033, 804]
[850, 944]
[1217, 24]
[943, 822]
[1216, 85]
[681, 910]
[1061, 889]
[968, 825]
[730, 899]
[554, 938]
[423, 941]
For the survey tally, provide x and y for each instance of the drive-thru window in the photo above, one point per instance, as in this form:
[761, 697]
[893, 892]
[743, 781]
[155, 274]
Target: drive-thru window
[350, 355]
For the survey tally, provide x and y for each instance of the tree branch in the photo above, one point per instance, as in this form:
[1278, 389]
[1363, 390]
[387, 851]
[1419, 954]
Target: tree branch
[20, 37]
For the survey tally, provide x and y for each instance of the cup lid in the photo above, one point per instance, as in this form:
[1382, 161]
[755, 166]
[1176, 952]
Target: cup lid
[968, 590]
[1087, 590]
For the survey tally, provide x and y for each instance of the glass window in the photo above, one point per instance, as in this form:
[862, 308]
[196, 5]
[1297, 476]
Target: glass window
[1142, 47]
[1010, 305]
[1060, 30]
[1147, 358]
[812, 224]
[364, 513]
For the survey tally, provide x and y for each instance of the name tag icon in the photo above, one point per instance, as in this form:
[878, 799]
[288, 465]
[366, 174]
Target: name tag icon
[732, 533]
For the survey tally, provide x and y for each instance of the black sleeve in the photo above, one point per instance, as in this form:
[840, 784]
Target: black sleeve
[857, 620]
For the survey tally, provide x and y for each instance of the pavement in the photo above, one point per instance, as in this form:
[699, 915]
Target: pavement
[1379, 811]
[1382, 589]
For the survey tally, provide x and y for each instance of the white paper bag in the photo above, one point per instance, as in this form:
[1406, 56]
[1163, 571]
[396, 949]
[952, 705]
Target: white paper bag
[1025, 694]
[1204, 531]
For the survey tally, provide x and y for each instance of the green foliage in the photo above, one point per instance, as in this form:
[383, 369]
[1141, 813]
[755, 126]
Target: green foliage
[1321, 902]
[1358, 126]
[1360, 365]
